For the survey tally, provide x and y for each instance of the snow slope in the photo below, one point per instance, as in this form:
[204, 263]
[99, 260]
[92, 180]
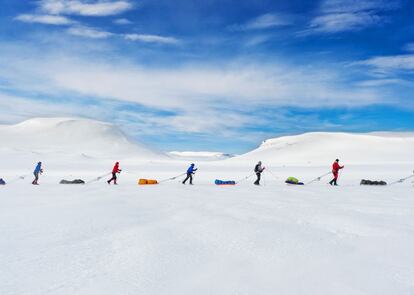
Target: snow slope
[322, 148]
[69, 136]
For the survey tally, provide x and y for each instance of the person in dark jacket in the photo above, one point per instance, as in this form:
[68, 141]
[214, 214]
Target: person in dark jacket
[38, 170]
[190, 171]
[115, 170]
[335, 171]
[258, 169]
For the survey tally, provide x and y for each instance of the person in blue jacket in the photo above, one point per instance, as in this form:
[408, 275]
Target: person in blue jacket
[38, 170]
[190, 171]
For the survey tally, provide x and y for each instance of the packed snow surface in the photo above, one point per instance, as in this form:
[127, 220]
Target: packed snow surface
[204, 239]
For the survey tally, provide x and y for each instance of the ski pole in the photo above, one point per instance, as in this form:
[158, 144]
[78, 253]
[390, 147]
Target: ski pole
[319, 178]
[340, 173]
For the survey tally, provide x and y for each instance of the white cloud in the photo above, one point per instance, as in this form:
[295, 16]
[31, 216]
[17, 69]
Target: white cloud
[209, 98]
[268, 20]
[340, 22]
[264, 21]
[409, 47]
[205, 86]
[388, 64]
[341, 6]
[88, 32]
[85, 8]
[44, 19]
[349, 15]
[17, 108]
[200, 94]
[257, 40]
[382, 82]
[122, 21]
[151, 38]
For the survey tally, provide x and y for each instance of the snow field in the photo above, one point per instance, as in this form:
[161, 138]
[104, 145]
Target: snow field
[176, 239]
[203, 239]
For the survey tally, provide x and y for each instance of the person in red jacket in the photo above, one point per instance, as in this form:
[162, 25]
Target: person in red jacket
[335, 171]
[115, 170]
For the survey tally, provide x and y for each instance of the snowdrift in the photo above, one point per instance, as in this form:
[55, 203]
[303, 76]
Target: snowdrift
[321, 148]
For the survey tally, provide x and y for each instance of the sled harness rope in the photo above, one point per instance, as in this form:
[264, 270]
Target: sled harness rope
[172, 178]
[98, 178]
[18, 178]
[245, 178]
[402, 179]
[319, 178]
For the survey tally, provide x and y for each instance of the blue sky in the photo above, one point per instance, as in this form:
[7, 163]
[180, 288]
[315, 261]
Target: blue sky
[210, 75]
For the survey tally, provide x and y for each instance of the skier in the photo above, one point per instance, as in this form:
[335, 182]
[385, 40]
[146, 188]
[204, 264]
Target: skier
[115, 170]
[258, 169]
[38, 170]
[335, 170]
[190, 172]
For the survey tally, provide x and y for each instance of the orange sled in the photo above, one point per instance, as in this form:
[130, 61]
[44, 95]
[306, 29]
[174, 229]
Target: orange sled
[147, 181]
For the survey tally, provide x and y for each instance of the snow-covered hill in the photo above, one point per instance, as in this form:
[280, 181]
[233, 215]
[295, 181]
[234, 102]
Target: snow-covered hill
[322, 148]
[69, 136]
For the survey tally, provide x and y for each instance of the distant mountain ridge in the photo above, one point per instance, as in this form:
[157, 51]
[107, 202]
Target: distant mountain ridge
[90, 138]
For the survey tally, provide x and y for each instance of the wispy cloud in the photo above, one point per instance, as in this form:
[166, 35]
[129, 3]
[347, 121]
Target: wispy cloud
[381, 82]
[336, 16]
[44, 19]
[389, 64]
[122, 21]
[341, 22]
[85, 8]
[94, 33]
[56, 10]
[409, 47]
[88, 32]
[151, 38]
[264, 21]
[207, 85]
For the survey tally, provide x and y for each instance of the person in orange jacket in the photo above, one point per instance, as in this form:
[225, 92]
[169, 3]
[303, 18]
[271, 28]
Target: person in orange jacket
[335, 171]
[115, 170]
